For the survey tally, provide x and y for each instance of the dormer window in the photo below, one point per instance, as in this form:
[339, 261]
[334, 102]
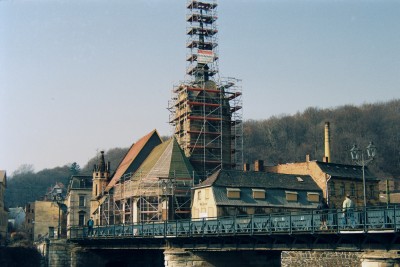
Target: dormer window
[233, 192]
[312, 197]
[291, 196]
[258, 193]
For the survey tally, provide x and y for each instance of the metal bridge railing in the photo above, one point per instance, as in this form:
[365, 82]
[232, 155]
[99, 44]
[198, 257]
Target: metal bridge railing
[337, 221]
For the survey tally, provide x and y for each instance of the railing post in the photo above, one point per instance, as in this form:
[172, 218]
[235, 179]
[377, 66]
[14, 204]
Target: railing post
[153, 230]
[337, 220]
[176, 228]
[165, 229]
[203, 227]
[270, 224]
[251, 224]
[395, 219]
[234, 224]
[312, 222]
[218, 226]
[290, 223]
[142, 226]
[365, 219]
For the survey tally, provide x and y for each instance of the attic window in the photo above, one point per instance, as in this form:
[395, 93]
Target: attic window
[291, 195]
[258, 193]
[299, 179]
[233, 192]
[312, 197]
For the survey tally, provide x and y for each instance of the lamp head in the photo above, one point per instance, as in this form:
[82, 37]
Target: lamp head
[371, 150]
[355, 152]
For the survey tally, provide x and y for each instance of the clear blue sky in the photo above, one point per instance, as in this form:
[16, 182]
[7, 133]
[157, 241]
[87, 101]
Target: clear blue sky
[77, 76]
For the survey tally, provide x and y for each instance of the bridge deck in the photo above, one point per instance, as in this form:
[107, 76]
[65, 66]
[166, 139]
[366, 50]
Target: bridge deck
[374, 227]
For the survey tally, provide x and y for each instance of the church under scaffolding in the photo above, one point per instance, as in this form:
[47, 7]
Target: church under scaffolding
[153, 181]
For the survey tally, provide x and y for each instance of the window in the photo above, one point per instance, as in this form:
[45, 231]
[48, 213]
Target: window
[258, 193]
[207, 193]
[352, 189]
[332, 190]
[233, 192]
[312, 197]
[342, 189]
[291, 196]
[81, 201]
[199, 195]
[81, 219]
[371, 191]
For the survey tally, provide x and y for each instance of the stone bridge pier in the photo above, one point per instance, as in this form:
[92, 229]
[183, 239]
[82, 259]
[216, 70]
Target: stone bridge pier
[64, 254]
[237, 258]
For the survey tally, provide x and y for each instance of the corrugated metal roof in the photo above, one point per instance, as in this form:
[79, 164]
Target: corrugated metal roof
[252, 179]
[345, 171]
[135, 156]
[274, 198]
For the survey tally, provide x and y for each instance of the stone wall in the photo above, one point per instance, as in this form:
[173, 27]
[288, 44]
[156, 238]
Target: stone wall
[58, 253]
[183, 258]
[321, 258]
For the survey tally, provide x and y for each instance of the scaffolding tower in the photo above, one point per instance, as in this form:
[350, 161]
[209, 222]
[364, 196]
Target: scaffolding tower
[206, 111]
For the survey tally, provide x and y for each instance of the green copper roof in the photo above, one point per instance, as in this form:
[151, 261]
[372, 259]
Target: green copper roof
[167, 160]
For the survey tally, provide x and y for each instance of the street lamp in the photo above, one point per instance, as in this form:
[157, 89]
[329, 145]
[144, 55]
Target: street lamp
[58, 198]
[357, 155]
[167, 186]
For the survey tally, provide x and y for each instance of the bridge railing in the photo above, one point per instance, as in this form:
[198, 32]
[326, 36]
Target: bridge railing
[370, 219]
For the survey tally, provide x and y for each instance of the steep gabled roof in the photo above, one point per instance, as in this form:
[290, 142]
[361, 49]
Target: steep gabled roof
[167, 160]
[135, 156]
[345, 171]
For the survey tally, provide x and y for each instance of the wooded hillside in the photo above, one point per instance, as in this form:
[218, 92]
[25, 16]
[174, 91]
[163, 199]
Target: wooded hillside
[278, 139]
[284, 138]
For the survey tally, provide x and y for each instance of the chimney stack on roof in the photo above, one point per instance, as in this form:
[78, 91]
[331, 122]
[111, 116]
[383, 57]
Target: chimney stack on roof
[259, 165]
[246, 167]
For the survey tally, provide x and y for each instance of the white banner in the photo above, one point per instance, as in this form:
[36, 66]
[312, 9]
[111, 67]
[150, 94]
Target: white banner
[205, 56]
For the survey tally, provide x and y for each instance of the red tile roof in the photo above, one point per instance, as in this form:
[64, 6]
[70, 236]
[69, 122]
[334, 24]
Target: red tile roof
[130, 156]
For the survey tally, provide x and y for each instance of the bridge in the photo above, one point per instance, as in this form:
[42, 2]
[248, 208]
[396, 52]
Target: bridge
[263, 238]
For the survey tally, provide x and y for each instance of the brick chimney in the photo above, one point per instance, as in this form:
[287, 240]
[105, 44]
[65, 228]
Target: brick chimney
[327, 155]
[259, 165]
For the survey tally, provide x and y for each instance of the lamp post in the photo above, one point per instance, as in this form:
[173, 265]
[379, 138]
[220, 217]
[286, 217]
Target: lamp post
[357, 155]
[167, 186]
[58, 198]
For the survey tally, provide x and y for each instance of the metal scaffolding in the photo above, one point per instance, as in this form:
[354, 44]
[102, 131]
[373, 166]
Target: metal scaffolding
[136, 198]
[206, 111]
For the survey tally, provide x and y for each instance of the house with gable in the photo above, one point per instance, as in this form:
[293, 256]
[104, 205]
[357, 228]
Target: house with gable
[336, 180]
[234, 192]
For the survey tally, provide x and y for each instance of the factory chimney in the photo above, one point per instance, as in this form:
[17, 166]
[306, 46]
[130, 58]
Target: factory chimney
[327, 155]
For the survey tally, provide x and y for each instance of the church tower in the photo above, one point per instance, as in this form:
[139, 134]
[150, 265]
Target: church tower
[206, 110]
[101, 177]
